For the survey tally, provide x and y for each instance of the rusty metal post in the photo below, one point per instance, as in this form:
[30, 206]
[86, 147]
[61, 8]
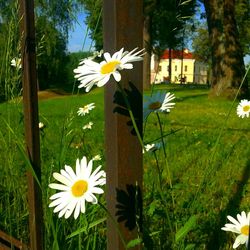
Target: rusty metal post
[123, 28]
[30, 103]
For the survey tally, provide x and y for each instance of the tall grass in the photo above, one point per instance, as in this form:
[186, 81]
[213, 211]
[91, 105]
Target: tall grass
[208, 176]
[193, 127]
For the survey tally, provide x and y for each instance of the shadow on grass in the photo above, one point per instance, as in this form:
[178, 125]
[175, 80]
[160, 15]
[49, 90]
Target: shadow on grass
[178, 99]
[181, 87]
[218, 237]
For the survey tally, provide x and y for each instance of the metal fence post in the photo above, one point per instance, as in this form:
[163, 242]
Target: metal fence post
[30, 103]
[123, 28]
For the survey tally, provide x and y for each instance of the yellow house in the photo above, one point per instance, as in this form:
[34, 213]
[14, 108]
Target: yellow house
[185, 69]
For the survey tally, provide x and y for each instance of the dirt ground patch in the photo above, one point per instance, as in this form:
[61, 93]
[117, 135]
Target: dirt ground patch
[52, 93]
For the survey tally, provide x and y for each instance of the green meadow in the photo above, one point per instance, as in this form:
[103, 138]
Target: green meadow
[205, 174]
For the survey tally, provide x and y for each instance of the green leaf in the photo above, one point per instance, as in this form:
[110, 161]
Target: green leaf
[28, 163]
[185, 2]
[134, 242]
[26, 159]
[154, 233]
[182, 232]
[84, 229]
[190, 247]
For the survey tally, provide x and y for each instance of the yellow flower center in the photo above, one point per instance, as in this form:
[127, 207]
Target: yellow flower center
[246, 108]
[79, 188]
[85, 108]
[109, 67]
[154, 105]
[245, 230]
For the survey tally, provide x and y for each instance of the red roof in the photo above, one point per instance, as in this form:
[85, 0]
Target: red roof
[177, 54]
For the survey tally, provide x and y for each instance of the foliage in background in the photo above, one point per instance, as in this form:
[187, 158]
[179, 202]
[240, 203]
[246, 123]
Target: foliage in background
[242, 10]
[168, 21]
[200, 36]
[10, 84]
[94, 21]
[53, 21]
[52, 49]
[200, 44]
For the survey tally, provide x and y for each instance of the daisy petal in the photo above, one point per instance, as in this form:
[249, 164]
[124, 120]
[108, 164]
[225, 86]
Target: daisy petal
[241, 239]
[70, 209]
[59, 186]
[77, 209]
[117, 76]
[233, 220]
[64, 180]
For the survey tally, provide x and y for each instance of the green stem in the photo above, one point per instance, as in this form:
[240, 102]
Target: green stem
[131, 115]
[161, 131]
[162, 196]
[167, 213]
[166, 162]
[115, 224]
[159, 170]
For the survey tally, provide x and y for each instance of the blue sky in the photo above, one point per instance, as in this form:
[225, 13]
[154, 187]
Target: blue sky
[77, 35]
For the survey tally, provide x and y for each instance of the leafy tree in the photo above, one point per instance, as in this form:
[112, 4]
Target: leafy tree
[53, 20]
[169, 19]
[73, 60]
[201, 45]
[242, 10]
[94, 20]
[52, 49]
[10, 84]
[227, 55]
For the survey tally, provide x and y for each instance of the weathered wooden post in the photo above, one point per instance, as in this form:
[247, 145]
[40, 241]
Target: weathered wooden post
[30, 103]
[123, 28]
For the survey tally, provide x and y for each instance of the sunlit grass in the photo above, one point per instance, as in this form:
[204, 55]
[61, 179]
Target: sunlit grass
[209, 177]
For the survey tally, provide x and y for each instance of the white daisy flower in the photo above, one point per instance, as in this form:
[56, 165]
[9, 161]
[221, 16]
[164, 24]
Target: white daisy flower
[85, 110]
[158, 102]
[243, 108]
[16, 62]
[240, 226]
[88, 126]
[152, 147]
[97, 158]
[41, 125]
[90, 73]
[76, 188]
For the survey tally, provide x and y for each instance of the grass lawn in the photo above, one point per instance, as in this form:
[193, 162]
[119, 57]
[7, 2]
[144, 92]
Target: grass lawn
[206, 173]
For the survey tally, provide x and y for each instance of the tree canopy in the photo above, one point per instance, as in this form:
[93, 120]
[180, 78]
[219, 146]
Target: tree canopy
[53, 20]
[94, 20]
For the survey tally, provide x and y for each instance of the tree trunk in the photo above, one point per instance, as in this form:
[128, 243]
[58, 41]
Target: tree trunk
[227, 57]
[147, 56]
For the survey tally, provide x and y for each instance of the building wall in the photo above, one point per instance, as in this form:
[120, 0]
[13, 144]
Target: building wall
[193, 71]
[200, 72]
